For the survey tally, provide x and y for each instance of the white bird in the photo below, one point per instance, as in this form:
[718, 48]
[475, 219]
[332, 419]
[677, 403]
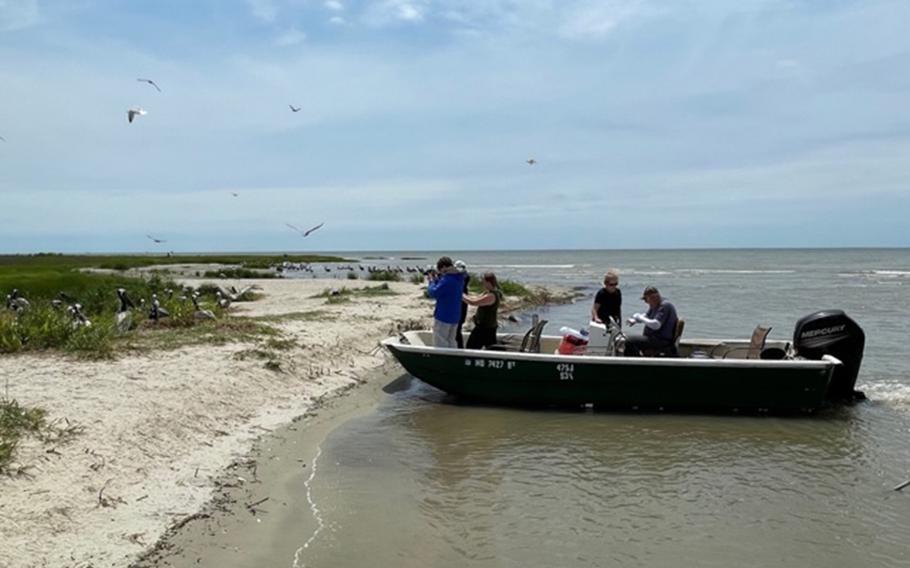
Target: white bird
[295, 109]
[150, 82]
[134, 112]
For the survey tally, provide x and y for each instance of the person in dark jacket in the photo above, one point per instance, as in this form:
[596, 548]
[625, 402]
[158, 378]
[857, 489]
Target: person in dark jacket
[608, 301]
[463, 268]
[446, 286]
[486, 319]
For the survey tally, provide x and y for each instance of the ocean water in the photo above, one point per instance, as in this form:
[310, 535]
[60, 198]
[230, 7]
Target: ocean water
[425, 481]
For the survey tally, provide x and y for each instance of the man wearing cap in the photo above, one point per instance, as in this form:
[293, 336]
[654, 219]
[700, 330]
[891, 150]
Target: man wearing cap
[445, 285]
[659, 321]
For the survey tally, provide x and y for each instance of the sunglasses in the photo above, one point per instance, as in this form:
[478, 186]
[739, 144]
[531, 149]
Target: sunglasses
[611, 283]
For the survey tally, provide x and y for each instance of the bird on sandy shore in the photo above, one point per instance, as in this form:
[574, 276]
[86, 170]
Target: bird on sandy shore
[157, 312]
[124, 317]
[157, 241]
[15, 301]
[200, 313]
[531, 161]
[79, 319]
[150, 82]
[294, 109]
[134, 112]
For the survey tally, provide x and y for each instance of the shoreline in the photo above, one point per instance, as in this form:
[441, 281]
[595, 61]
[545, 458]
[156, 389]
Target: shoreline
[156, 433]
[156, 430]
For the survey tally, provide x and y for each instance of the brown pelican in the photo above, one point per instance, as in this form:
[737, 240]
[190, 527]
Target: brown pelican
[15, 302]
[79, 319]
[124, 317]
[201, 313]
[157, 312]
[222, 301]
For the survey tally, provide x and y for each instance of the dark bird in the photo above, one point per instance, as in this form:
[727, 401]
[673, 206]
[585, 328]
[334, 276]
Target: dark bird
[235, 194]
[294, 109]
[308, 231]
[201, 313]
[79, 319]
[134, 112]
[531, 161]
[157, 312]
[124, 318]
[157, 241]
[2, 138]
[150, 82]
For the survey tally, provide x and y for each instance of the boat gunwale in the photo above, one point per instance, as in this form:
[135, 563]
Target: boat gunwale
[826, 363]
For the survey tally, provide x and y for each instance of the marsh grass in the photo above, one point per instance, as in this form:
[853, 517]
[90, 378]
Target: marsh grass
[508, 287]
[239, 273]
[155, 337]
[16, 422]
[385, 276]
[367, 291]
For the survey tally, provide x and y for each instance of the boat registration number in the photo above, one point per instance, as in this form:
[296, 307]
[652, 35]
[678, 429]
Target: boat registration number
[490, 364]
[566, 371]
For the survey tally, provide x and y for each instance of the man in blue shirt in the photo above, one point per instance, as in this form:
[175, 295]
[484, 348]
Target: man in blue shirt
[660, 325]
[445, 286]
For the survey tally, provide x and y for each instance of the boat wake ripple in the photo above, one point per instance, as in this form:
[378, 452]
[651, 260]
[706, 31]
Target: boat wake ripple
[893, 393]
[317, 514]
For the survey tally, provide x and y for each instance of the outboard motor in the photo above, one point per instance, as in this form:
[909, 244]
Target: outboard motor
[832, 332]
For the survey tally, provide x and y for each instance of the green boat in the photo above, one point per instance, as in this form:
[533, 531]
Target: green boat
[751, 375]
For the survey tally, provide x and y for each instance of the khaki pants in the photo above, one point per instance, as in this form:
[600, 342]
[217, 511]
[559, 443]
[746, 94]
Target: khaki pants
[444, 334]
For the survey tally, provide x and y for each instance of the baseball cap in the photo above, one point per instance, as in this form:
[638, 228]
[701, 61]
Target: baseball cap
[460, 265]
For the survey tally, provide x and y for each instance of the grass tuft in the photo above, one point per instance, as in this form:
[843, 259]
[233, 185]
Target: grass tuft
[16, 422]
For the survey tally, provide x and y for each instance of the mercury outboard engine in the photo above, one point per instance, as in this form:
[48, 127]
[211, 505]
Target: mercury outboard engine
[832, 332]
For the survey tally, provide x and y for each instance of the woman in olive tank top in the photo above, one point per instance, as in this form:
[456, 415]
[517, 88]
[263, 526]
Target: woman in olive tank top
[486, 317]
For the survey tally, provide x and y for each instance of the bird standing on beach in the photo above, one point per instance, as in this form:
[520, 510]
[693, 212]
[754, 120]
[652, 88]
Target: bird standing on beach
[157, 312]
[294, 109]
[124, 317]
[150, 82]
[134, 112]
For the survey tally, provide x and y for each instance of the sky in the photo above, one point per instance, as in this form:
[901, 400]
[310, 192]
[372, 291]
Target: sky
[654, 124]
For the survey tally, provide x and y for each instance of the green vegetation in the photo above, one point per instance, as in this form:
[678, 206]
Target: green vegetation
[344, 292]
[16, 422]
[384, 276]
[508, 287]
[416, 279]
[125, 262]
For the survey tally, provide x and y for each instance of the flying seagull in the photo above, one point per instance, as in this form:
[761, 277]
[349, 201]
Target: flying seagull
[235, 194]
[531, 161]
[157, 241]
[134, 112]
[2, 138]
[150, 82]
[308, 231]
[294, 109]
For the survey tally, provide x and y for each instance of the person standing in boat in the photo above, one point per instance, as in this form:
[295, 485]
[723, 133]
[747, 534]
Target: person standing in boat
[659, 321]
[608, 301]
[446, 286]
[463, 268]
[486, 319]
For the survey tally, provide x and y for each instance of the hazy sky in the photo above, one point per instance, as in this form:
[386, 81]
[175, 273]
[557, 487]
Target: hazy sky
[685, 123]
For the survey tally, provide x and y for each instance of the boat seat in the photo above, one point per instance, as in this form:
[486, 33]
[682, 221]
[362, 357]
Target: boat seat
[756, 344]
[531, 341]
[673, 349]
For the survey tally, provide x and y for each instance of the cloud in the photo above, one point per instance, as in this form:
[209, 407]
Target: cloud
[334, 5]
[263, 10]
[395, 11]
[290, 37]
[337, 20]
[18, 14]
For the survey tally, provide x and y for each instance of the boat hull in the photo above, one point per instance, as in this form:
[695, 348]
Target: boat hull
[619, 382]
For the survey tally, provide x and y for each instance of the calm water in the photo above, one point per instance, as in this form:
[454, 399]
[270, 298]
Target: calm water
[422, 481]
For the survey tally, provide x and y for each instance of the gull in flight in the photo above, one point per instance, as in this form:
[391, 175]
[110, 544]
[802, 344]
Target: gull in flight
[531, 161]
[150, 82]
[235, 194]
[294, 109]
[157, 241]
[134, 112]
[308, 231]
[2, 138]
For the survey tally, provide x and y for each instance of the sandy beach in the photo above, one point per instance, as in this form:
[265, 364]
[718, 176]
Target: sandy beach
[149, 434]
